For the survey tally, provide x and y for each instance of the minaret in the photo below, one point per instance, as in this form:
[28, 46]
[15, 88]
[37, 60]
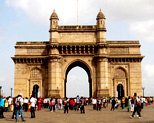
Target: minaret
[53, 27]
[101, 30]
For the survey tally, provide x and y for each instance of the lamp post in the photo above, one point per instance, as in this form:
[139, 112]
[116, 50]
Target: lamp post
[11, 92]
[0, 90]
[143, 90]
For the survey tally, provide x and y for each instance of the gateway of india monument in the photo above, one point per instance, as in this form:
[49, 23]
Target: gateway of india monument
[113, 67]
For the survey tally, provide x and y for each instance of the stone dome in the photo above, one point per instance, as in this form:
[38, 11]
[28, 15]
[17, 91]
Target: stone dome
[100, 15]
[54, 15]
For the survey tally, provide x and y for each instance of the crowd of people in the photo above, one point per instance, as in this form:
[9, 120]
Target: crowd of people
[19, 104]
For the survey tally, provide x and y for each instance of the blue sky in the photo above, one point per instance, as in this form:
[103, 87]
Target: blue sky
[28, 20]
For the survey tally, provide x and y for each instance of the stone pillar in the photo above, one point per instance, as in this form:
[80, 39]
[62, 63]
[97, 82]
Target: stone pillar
[54, 78]
[102, 77]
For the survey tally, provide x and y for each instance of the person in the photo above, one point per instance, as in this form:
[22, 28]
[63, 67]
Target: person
[66, 105]
[113, 104]
[26, 104]
[14, 110]
[6, 105]
[60, 104]
[82, 105]
[132, 104]
[9, 100]
[128, 104]
[1, 106]
[77, 102]
[33, 102]
[99, 104]
[19, 107]
[123, 102]
[39, 104]
[51, 105]
[136, 108]
[94, 103]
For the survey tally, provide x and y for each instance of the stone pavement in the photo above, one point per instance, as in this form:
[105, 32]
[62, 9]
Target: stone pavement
[91, 116]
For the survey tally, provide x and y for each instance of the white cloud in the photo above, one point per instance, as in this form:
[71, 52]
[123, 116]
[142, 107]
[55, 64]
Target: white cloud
[149, 70]
[144, 30]
[115, 10]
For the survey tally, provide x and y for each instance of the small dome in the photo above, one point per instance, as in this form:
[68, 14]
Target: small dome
[54, 15]
[100, 15]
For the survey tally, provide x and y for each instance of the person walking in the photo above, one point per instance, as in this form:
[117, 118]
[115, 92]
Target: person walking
[19, 107]
[33, 102]
[66, 105]
[82, 105]
[14, 109]
[1, 106]
[26, 104]
[113, 104]
[99, 104]
[136, 108]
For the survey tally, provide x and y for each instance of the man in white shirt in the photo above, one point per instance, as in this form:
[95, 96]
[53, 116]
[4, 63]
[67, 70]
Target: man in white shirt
[9, 100]
[19, 103]
[33, 102]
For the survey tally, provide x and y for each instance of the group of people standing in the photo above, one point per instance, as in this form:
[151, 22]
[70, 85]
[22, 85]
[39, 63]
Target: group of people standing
[18, 104]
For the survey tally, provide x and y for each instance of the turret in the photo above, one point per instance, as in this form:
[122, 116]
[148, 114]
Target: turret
[54, 20]
[53, 27]
[101, 30]
[100, 20]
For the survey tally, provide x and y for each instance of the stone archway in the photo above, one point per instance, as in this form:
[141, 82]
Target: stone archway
[120, 83]
[35, 82]
[85, 67]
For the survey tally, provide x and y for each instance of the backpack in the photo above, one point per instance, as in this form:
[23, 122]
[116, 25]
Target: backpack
[18, 103]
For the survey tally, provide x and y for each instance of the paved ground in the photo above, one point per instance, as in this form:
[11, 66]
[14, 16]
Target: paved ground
[91, 116]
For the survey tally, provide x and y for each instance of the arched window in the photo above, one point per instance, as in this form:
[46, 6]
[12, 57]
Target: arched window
[35, 74]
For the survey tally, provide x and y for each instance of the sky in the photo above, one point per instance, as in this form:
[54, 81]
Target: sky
[28, 20]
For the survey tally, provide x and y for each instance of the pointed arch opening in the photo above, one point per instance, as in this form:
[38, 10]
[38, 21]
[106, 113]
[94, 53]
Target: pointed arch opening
[83, 67]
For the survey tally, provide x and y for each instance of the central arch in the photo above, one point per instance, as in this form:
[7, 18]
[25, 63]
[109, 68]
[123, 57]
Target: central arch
[85, 67]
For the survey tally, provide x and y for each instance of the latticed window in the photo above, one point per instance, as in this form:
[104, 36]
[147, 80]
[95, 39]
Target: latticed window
[35, 74]
[119, 73]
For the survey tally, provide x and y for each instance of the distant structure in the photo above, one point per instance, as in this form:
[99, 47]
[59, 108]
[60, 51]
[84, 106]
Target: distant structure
[113, 67]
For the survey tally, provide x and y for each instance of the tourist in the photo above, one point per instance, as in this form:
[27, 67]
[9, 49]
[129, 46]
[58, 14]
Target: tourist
[33, 102]
[1, 106]
[136, 108]
[56, 104]
[6, 105]
[128, 104]
[94, 103]
[99, 104]
[45, 102]
[51, 105]
[39, 103]
[60, 104]
[12, 105]
[77, 102]
[123, 102]
[14, 110]
[19, 107]
[26, 104]
[132, 104]
[113, 104]
[66, 105]
[9, 100]
[82, 105]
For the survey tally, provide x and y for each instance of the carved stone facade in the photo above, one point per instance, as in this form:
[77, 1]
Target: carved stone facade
[110, 65]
